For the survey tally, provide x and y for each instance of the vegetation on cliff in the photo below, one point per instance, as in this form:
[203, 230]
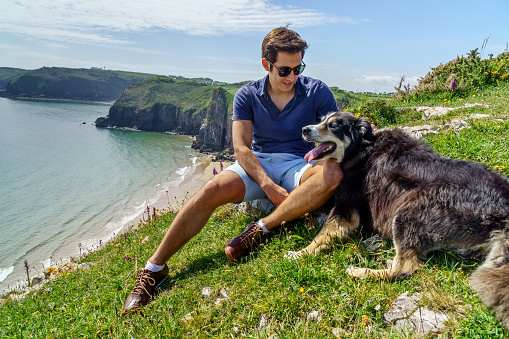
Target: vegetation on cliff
[161, 90]
[73, 84]
[8, 73]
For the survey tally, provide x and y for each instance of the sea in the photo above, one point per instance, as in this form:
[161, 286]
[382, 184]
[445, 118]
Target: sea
[66, 187]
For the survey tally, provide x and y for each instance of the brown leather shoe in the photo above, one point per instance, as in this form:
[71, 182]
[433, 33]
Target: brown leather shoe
[244, 243]
[143, 291]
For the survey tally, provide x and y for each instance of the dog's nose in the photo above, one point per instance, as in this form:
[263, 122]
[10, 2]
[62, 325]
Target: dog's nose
[306, 130]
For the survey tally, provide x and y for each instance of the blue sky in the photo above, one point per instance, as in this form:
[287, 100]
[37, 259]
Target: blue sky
[354, 45]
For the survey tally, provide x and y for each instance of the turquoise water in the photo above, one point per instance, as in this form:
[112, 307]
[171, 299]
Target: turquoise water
[64, 182]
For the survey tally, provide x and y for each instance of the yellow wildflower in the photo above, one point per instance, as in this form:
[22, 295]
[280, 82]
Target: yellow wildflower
[301, 290]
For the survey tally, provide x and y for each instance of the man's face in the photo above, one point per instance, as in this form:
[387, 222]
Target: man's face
[282, 85]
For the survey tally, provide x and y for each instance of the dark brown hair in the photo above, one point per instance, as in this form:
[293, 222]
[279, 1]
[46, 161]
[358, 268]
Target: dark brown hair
[282, 39]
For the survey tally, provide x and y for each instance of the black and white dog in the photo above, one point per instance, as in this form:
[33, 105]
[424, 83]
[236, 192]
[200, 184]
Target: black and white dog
[399, 187]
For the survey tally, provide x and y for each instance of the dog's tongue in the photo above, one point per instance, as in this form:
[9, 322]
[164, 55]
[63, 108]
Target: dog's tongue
[316, 151]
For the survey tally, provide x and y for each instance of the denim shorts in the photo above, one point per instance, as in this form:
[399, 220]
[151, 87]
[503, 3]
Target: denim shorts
[283, 168]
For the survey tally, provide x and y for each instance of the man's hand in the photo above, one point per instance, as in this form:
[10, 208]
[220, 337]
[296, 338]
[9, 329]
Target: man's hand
[276, 194]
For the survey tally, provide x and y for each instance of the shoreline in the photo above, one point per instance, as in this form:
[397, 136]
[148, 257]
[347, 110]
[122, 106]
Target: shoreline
[188, 187]
[7, 96]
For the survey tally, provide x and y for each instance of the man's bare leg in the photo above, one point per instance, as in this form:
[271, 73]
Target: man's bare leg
[318, 184]
[226, 187]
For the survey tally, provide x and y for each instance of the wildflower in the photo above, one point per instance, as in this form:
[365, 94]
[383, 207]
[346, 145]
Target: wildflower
[377, 307]
[129, 258]
[301, 290]
[365, 320]
[453, 84]
[26, 268]
[214, 171]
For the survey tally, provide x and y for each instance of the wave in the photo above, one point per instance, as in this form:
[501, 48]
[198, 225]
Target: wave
[5, 272]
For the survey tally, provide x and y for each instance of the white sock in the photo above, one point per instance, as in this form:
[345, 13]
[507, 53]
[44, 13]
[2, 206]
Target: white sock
[262, 226]
[153, 267]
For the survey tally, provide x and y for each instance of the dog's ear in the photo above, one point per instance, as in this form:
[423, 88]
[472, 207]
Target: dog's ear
[363, 125]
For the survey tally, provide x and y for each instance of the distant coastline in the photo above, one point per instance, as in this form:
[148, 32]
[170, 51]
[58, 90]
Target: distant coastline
[4, 94]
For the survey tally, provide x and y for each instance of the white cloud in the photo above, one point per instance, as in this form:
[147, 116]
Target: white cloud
[100, 22]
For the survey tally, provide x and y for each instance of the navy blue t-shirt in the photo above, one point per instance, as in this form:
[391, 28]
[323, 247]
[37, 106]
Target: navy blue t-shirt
[276, 131]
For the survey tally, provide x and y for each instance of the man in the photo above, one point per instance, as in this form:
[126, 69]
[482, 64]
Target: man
[268, 116]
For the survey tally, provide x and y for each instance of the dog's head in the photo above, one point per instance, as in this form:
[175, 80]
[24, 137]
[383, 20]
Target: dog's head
[337, 135]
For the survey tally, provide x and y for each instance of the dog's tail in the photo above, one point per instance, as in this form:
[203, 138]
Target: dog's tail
[491, 279]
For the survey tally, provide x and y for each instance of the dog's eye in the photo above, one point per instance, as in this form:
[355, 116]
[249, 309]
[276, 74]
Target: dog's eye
[333, 124]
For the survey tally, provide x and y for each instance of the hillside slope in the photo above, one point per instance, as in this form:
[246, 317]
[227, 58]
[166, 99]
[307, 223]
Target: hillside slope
[73, 84]
[8, 73]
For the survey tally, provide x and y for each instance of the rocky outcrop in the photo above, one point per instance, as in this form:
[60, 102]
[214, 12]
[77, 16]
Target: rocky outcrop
[167, 105]
[216, 130]
[158, 118]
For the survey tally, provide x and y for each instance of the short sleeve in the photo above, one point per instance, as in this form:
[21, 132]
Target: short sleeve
[243, 105]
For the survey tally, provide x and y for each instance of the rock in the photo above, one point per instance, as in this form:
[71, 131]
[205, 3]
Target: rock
[339, 333]
[263, 322]
[188, 316]
[478, 116]
[255, 206]
[314, 316]
[419, 131]
[406, 316]
[429, 112]
[37, 281]
[402, 307]
[205, 292]
[222, 296]
[374, 243]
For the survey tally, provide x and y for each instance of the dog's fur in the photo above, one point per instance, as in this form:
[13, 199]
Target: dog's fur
[397, 186]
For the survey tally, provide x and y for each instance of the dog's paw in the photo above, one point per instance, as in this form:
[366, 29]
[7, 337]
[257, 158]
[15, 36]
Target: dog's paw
[291, 255]
[356, 272]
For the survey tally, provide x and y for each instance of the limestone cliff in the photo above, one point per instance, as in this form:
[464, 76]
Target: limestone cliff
[163, 104]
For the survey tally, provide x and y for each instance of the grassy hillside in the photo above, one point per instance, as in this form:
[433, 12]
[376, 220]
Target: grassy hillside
[74, 84]
[268, 296]
[7, 73]
[186, 94]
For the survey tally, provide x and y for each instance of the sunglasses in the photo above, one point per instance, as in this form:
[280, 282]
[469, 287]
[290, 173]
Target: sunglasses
[285, 70]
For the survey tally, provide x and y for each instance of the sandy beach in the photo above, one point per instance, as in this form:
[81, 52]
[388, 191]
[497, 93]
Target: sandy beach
[203, 172]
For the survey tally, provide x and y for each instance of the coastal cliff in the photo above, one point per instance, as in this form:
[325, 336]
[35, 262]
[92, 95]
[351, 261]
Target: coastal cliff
[71, 84]
[7, 74]
[164, 104]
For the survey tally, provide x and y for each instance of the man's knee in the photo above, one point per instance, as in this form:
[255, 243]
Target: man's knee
[219, 190]
[332, 174]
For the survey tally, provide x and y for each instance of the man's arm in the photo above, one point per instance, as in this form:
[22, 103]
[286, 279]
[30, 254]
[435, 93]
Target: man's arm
[242, 133]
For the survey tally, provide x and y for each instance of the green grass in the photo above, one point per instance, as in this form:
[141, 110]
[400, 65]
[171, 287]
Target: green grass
[87, 303]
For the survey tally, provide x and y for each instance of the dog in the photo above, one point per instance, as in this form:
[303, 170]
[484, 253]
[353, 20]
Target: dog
[397, 186]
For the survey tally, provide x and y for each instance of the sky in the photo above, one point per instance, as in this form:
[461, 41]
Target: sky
[360, 46]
